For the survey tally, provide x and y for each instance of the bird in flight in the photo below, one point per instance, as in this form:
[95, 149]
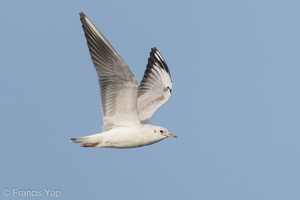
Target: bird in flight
[126, 107]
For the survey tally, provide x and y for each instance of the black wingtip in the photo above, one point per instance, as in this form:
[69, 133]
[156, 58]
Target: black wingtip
[155, 56]
[82, 16]
[154, 49]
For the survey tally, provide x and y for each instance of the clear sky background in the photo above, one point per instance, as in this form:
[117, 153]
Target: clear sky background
[235, 106]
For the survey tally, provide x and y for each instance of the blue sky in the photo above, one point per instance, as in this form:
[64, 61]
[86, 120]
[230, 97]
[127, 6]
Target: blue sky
[235, 103]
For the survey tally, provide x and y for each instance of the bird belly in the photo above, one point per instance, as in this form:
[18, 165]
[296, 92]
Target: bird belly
[126, 138]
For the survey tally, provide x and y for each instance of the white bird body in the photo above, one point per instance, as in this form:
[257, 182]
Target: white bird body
[126, 107]
[125, 137]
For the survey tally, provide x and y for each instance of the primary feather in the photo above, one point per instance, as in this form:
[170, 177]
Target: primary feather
[155, 88]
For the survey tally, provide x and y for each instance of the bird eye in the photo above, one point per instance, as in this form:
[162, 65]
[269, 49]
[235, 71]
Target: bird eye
[161, 131]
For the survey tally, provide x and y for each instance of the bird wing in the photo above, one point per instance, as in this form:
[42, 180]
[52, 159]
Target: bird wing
[155, 88]
[118, 87]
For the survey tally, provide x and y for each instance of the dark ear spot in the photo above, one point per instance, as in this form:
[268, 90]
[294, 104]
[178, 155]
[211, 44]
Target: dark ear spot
[154, 131]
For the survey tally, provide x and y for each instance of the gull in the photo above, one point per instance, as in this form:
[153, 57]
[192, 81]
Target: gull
[127, 108]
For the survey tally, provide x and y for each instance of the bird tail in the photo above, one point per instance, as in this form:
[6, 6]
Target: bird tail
[88, 141]
[79, 140]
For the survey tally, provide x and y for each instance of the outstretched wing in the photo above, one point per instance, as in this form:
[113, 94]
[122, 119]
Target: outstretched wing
[155, 88]
[118, 86]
